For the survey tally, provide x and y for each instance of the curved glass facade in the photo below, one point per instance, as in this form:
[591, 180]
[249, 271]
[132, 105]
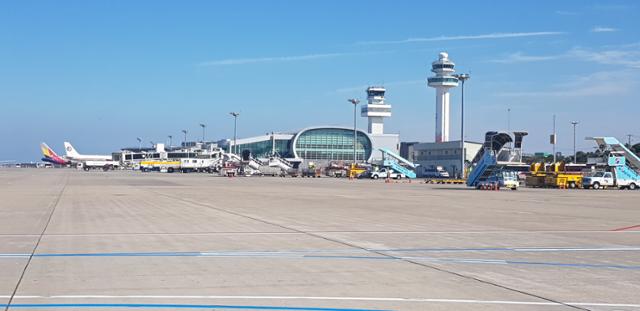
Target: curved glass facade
[262, 149]
[331, 144]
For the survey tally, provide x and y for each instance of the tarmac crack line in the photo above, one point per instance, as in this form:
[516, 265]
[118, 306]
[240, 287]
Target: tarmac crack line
[349, 244]
[54, 204]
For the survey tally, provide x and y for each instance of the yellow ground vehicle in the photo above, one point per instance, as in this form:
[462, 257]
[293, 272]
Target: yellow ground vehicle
[563, 175]
[354, 170]
[168, 166]
[537, 175]
[312, 171]
[555, 175]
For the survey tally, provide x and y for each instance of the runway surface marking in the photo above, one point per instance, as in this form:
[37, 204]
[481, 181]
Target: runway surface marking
[318, 298]
[317, 251]
[628, 228]
[327, 255]
[173, 306]
[99, 234]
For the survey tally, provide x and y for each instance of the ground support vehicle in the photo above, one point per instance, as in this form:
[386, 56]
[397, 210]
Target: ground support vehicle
[188, 165]
[104, 165]
[168, 166]
[397, 163]
[312, 171]
[563, 180]
[496, 165]
[443, 181]
[537, 174]
[622, 169]
[355, 170]
[386, 173]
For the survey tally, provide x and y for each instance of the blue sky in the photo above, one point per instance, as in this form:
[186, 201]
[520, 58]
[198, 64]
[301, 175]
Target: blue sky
[101, 73]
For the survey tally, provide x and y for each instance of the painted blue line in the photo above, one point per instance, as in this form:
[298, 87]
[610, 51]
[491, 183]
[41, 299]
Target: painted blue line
[442, 249]
[174, 306]
[350, 257]
[150, 254]
[577, 265]
[354, 257]
[508, 249]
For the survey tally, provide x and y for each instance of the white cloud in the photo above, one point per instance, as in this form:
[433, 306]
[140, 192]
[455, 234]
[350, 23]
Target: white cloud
[361, 88]
[278, 59]
[625, 57]
[520, 57]
[243, 61]
[499, 35]
[595, 84]
[603, 29]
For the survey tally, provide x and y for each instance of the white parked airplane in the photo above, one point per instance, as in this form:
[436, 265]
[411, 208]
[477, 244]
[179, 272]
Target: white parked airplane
[72, 154]
[88, 161]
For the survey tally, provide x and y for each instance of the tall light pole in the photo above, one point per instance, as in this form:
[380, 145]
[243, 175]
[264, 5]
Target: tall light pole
[185, 138]
[355, 103]
[508, 119]
[170, 141]
[202, 125]
[575, 155]
[139, 143]
[462, 77]
[554, 139]
[235, 130]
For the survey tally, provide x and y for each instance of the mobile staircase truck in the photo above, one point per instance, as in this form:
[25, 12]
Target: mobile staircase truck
[252, 165]
[497, 165]
[287, 167]
[622, 166]
[397, 163]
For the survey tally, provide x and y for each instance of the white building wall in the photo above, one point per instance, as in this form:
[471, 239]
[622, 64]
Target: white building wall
[446, 155]
[389, 141]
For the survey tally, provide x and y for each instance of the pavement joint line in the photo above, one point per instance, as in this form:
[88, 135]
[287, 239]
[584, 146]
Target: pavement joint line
[54, 204]
[177, 306]
[468, 277]
[320, 231]
[328, 298]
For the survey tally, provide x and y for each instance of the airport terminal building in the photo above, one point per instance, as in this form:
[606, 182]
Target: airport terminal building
[327, 143]
[322, 143]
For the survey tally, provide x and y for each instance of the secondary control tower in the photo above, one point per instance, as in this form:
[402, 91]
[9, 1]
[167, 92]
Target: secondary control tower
[442, 82]
[376, 109]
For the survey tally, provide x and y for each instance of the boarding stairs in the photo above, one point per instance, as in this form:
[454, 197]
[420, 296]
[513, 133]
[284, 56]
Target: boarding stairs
[494, 156]
[275, 161]
[631, 169]
[393, 161]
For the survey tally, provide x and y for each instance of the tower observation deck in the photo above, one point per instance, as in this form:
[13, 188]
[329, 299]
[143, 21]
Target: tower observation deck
[376, 109]
[442, 82]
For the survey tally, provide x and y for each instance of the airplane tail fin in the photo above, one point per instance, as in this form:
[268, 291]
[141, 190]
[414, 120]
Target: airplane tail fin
[71, 152]
[47, 152]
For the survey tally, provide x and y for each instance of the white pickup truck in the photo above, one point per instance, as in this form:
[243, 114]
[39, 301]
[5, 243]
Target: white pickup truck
[607, 179]
[384, 173]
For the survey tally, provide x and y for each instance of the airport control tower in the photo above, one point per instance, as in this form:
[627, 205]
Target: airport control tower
[375, 109]
[442, 82]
